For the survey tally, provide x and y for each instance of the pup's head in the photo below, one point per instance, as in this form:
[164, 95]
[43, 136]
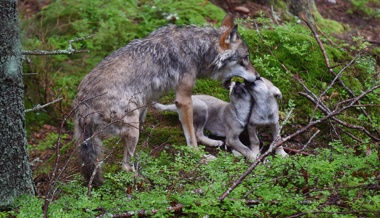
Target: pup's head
[239, 96]
[233, 55]
[263, 89]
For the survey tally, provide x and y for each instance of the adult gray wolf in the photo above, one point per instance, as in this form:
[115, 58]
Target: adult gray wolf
[264, 112]
[220, 118]
[114, 96]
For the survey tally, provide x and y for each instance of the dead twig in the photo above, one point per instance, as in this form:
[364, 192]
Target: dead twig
[69, 51]
[39, 107]
[330, 69]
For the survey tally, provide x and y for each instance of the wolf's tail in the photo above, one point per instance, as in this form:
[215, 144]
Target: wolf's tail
[90, 154]
[162, 107]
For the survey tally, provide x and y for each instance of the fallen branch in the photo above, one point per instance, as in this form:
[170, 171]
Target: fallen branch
[142, 213]
[295, 151]
[69, 51]
[261, 158]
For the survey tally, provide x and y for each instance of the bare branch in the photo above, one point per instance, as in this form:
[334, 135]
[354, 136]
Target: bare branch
[327, 60]
[257, 161]
[308, 142]
[143, 213]
[39, 107]
[69, 51]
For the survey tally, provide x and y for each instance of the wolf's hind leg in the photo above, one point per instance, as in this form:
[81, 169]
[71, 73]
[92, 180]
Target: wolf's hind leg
[200, 119]
[130, 134]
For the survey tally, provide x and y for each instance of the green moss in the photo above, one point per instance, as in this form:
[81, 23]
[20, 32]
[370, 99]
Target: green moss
[114, 24]
[329, 26]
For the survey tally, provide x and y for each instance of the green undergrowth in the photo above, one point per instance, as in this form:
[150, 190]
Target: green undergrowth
[336, 181]
[112, 23]
[283, 53]
[366, 7]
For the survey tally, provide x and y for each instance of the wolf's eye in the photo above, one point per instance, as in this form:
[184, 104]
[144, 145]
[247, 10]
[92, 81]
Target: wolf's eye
[246, 58]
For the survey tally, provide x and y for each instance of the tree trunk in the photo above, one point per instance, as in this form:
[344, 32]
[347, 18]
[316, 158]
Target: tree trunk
[294, 7]
[15, 174]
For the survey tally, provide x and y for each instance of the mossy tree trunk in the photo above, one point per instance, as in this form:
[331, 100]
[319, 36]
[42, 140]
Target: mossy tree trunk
[295, 7]
[15, 173]
[290, 9]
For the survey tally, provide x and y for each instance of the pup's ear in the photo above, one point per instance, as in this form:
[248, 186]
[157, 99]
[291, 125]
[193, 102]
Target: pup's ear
[276, 92]
[229, 37]
[228, 21]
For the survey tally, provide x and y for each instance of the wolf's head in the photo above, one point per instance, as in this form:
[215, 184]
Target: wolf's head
[263, 89]
[233, 57]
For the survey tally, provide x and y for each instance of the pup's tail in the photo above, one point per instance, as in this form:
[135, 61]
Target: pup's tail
[90, 154]
[162, 107]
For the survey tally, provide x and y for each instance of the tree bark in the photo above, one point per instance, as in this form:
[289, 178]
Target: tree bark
[15, 173]
[295, 7]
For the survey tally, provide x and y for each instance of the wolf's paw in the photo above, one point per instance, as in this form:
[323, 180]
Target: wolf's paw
[219, 143]
[128, 168]
[281, 152]
[253, 156]
[216, 143]
[207, 158]
[236, 153]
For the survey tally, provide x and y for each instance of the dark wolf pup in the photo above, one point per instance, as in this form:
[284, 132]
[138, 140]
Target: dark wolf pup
[113, 97]
[220, 118]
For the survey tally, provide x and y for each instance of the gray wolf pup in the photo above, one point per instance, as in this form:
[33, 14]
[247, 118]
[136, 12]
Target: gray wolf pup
[113, 97]
[222, 119]
[264, 112]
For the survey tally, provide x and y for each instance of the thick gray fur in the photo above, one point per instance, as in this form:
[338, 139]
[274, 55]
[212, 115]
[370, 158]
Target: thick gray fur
[220, 118]
[113, 97]
[264, 113]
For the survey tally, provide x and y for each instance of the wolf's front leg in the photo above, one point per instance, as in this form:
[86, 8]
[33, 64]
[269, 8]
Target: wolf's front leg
[254, 140]
[275, 131]
[233, 141]
[184, 106]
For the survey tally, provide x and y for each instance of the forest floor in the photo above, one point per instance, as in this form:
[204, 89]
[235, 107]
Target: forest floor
[355, 23]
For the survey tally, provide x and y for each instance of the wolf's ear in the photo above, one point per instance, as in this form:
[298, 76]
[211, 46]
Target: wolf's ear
[276, 92]
[228, 21]
[229, 37]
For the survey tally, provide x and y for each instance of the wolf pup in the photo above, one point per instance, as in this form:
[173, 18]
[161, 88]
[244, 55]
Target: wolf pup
[263, 113]
[114, 96]
[222, 119]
